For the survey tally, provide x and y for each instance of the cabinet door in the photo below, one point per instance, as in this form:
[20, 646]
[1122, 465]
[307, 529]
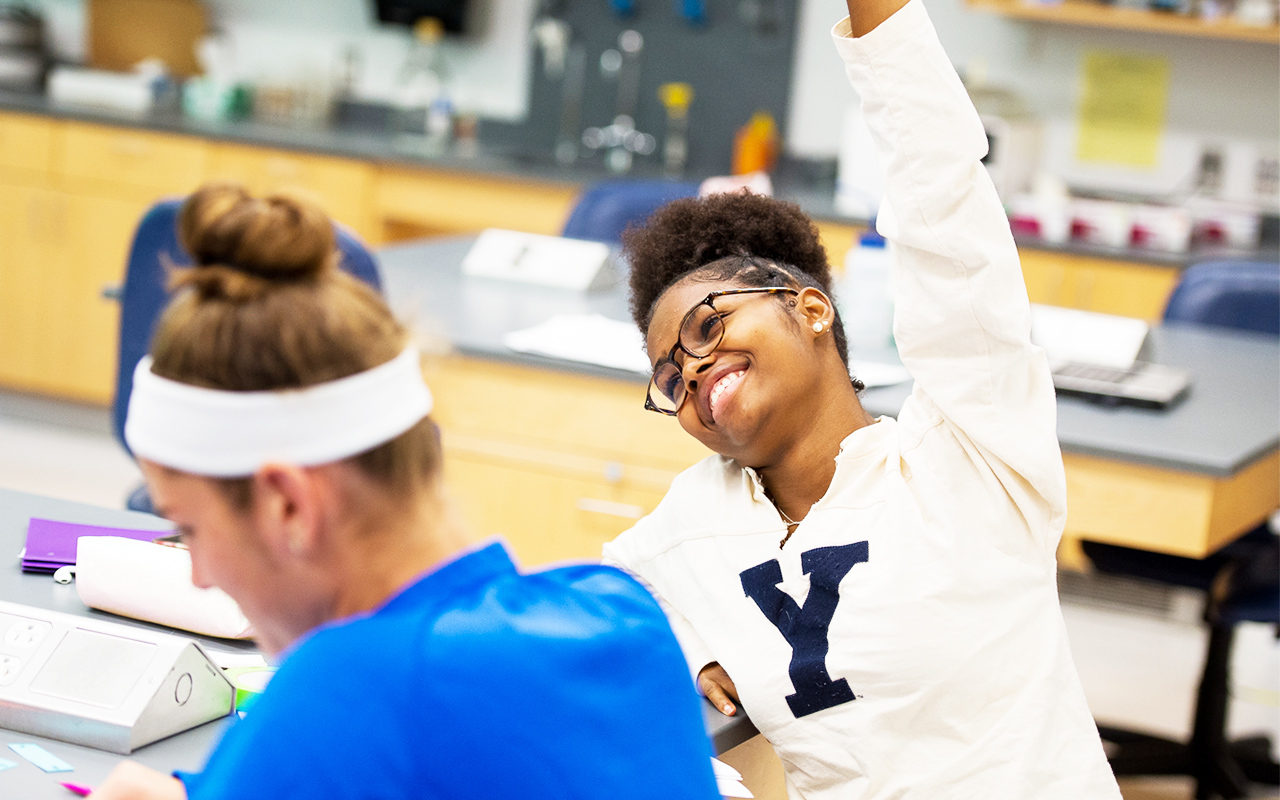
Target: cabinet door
[343, 187]
[97, 233]
[544, 513]
[26, 144]
[1095, 284]
[29, 250]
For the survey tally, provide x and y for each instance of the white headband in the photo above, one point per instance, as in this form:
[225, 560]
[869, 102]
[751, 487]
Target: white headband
[231, 434]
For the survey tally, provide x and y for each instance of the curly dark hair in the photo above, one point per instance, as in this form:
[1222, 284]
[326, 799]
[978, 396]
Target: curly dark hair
[744, 237]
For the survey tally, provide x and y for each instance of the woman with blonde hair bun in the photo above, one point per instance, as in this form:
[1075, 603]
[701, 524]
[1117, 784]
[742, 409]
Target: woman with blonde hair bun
[282, 423]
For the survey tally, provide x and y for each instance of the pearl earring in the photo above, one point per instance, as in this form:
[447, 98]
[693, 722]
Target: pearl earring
[818, 326]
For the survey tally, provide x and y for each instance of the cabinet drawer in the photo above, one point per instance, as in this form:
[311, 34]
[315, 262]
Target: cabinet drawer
[443, 202]
[26, 143]
[155, 163]
[545, 514]
[558, 411]
[836, 239]
[343, 187]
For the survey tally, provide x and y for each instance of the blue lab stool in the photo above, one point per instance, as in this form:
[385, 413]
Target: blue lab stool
[144, 295]
[605, 209]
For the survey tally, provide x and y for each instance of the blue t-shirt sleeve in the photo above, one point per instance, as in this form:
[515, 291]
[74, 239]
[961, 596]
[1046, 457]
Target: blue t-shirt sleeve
[583, 689]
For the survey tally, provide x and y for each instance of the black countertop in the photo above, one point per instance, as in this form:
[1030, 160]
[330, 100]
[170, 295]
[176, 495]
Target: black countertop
[1228, 419]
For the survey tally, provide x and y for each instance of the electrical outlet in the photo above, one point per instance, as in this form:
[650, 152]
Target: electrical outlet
[1209, 173]
[1267, 179]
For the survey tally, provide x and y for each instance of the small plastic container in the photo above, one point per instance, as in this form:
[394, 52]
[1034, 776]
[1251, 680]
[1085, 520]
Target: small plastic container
[865, 295]
[755, 147]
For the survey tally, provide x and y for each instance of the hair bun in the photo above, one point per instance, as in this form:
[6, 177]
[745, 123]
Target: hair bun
[274, 239]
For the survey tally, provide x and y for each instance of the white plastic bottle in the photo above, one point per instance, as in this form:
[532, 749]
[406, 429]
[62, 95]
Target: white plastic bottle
[865, 294]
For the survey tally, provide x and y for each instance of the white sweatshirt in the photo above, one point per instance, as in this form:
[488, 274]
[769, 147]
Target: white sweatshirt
[907, 641]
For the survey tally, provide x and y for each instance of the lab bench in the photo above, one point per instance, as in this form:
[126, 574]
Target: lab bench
[562, 456]
[74, 183]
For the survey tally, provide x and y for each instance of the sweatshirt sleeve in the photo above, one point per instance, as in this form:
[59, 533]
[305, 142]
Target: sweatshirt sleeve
[962, 319]
[697, 654]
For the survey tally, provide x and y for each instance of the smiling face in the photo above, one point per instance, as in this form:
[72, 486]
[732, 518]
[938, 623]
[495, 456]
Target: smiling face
[746, 400]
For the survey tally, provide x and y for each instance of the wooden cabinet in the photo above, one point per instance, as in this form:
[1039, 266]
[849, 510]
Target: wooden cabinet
[84, 329]
[26, 145]
[58, 334]
[1093, 14]
[1095, 284]
[28, 247]
[71, 194]
[118, 161]
[836, 240]
[557, 463]
[421, 202]
[29, 243]
[343, 187]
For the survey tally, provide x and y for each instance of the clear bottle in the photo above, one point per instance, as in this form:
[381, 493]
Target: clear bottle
[424, 110]
[866, 296]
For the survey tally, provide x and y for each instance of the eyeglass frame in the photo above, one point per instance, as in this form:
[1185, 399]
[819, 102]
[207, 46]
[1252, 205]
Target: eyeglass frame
[708, 301]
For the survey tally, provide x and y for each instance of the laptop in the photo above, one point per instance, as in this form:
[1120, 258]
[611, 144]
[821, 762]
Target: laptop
[1143, 384]
[1104, 358]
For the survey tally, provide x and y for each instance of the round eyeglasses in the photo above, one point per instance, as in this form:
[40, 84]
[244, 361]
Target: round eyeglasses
[701, 332]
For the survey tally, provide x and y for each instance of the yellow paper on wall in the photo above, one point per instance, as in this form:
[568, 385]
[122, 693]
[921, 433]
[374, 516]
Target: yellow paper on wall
[1122, 108]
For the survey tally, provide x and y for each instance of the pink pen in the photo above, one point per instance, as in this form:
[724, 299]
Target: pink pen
[81, 791]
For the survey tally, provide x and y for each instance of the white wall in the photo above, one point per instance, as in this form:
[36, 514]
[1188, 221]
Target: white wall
[1219, 91]
[305, 39]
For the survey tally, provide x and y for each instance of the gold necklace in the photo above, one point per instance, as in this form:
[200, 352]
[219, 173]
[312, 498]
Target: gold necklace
[791, 523]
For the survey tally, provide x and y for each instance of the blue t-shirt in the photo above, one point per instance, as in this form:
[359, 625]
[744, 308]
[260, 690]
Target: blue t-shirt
[478, 682]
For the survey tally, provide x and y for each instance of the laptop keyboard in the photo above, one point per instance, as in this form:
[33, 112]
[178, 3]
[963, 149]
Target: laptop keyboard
[1090, 372]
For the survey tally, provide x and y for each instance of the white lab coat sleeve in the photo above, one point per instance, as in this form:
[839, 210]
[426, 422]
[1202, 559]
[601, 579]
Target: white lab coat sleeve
[962, 320]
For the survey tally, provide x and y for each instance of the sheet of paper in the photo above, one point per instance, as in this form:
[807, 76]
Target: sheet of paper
[542, 260]
[1086, 337]
[1123, 100]
[588, 338]
[41, 758]
[7, 764]
[728, 780]
[874, 373]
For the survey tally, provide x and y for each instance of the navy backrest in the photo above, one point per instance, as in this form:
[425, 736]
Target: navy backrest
[143, 295]
[605, 209]
[1233, 294]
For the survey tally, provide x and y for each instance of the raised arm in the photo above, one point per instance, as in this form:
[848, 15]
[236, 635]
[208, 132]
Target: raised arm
[962, 320]
[866, 15]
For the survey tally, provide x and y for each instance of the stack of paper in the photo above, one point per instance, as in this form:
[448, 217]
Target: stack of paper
[589, 338]
[52, 544]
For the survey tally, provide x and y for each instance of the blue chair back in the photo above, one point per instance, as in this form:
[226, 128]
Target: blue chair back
[1235, 294]
[605, 209]
[144, 295]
